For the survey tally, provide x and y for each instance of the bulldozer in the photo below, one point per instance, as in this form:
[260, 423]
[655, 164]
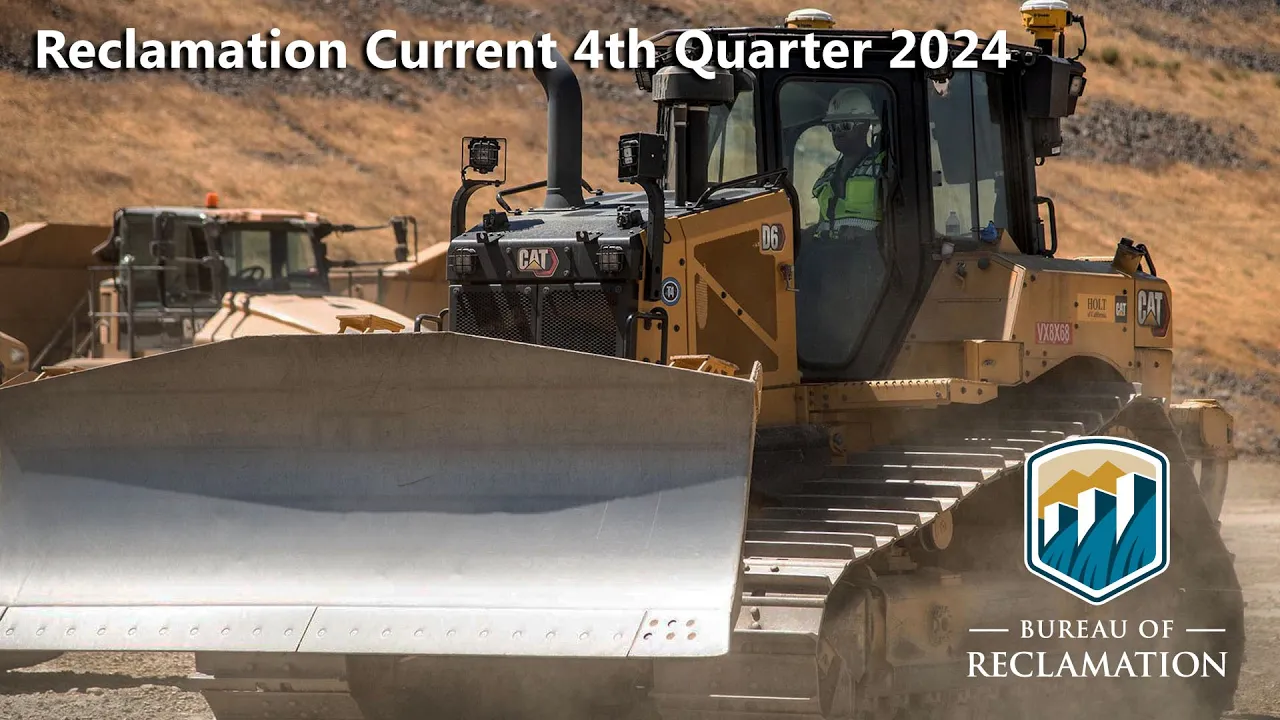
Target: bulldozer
[693, 450]
[175, 276]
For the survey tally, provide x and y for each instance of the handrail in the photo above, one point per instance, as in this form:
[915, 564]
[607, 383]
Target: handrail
[68, 324]
[534, 186]
[774, 180]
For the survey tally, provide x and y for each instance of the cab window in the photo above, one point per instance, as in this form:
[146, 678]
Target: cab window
[970, 192]
[732, 130]
[271, 259]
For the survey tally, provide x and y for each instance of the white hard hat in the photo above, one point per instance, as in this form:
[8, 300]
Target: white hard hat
[851, 104]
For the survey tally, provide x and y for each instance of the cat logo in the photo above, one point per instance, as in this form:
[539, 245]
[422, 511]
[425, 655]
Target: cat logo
[541, 261]
[1153, 311]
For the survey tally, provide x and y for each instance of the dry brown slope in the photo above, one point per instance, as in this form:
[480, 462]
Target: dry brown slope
[365, 145]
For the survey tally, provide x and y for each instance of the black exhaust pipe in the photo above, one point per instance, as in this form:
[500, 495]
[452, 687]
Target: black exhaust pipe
[564, 133]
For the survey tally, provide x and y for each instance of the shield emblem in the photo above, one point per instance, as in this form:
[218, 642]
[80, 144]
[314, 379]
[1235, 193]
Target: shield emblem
[1097, 516]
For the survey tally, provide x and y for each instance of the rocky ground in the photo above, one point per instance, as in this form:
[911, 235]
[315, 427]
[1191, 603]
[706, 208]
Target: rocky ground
[120, 686]
[1254, 433]
[1151, 139]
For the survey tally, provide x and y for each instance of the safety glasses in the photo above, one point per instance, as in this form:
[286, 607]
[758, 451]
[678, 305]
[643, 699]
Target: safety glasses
[847, 126]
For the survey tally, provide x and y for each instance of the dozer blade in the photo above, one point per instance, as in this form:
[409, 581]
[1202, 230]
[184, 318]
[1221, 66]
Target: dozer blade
[428, 493]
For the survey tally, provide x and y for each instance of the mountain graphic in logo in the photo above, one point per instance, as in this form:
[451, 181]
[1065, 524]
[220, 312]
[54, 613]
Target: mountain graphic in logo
[1097, 515]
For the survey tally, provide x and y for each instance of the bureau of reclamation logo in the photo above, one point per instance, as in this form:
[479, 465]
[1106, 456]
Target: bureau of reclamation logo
[1097, 515]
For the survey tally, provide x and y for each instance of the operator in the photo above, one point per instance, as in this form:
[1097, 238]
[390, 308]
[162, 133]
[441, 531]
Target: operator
[843, 274]
[848, 191]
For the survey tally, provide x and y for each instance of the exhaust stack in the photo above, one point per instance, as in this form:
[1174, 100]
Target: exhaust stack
[564, 134]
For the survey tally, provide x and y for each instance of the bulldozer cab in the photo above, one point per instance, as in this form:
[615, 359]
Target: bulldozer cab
[913, 161]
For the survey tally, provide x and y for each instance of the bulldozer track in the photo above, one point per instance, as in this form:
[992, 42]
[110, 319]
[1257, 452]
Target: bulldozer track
[800, 544]
[803, 542]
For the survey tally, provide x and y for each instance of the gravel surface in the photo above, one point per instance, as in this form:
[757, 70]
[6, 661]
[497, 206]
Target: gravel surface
[120, 686]
[104, 686]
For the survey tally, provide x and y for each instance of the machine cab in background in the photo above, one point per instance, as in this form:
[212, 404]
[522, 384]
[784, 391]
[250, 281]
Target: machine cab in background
[167, 269]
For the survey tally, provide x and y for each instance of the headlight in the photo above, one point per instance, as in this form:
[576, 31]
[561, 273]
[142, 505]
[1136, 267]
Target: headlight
[463, 261]
[483, 154]
[612, 258]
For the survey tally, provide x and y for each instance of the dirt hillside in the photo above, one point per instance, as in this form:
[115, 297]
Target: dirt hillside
[1176, 145]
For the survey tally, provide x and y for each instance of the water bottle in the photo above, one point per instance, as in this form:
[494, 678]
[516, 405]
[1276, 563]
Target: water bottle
[953, 225]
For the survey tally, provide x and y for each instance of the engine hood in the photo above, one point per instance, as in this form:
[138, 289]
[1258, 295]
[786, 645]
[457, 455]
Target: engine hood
[244, 314]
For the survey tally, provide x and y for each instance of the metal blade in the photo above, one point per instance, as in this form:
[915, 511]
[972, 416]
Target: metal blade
[409, 493]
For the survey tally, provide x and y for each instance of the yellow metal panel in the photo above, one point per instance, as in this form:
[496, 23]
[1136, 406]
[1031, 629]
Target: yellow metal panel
[735, 302]
[968, 299]
[886, 393]
[1155, 371]
[925, 359]
[783, 406]
[1206, 428]
[1049, 324]
[993, 361]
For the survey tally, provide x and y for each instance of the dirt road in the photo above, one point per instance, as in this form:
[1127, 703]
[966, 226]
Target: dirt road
[120, 686]
[1251, 527]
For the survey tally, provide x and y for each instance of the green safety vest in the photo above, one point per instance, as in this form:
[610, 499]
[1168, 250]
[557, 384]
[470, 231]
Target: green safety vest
[859, 204]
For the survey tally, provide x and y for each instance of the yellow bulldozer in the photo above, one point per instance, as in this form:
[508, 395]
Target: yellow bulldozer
[171, 277]
[751, 441]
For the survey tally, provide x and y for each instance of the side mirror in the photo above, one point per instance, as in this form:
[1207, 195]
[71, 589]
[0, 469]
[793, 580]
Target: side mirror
[400, 226]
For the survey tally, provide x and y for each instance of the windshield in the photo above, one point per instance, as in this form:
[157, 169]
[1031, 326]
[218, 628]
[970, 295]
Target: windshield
[270, 259]
[834, 140]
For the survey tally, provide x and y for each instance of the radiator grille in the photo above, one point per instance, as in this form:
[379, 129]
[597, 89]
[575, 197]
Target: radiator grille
[586, 317]
[501, 314]
[579, 319]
